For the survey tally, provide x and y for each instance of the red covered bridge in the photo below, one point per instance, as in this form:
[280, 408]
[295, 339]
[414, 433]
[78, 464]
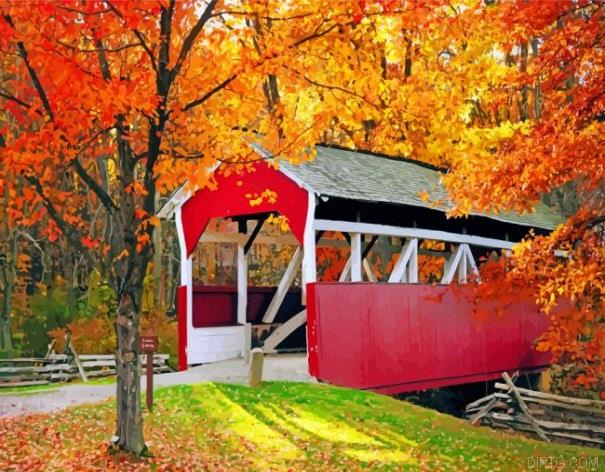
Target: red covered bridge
[386, 332]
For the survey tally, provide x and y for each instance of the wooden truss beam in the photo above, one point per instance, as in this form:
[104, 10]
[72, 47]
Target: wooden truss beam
[407, 262]
[218, 237]
[255, 231]
[368, 270]
[369, 246]
[346, 271]
[286, 282]
[284, 285]
[356, 274]
[459, 262]
[285, 330]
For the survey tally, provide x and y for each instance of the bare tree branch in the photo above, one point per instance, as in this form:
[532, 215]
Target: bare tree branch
[82, 12]
[342, 89]
[220, 86]
[191, 37]
[98, 49]
[315, 35]
[138, 34]
[93, 185]
[69, 231]
[38, 247]
[210, 93]
[141, 38]
[32, 73]
[103, 61]
[261, 17]
[15, 99]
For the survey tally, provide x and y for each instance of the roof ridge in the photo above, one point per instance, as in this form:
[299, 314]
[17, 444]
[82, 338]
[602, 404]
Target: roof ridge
[409, 160]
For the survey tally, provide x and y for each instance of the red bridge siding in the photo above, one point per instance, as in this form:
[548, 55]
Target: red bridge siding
[216, 305]
[181, 311]
[395, 338]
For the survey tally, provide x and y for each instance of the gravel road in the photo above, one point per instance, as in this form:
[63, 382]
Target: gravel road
[276, 367]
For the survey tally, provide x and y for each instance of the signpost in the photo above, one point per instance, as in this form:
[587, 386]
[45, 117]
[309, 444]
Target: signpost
[149, 345]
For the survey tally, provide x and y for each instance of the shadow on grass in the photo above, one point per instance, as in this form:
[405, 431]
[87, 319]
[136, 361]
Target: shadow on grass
[298, 425]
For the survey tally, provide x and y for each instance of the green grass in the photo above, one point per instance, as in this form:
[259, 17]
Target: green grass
[292, 426]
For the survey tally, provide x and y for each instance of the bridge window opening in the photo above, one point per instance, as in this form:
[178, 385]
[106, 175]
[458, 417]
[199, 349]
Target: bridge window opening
[270, 254]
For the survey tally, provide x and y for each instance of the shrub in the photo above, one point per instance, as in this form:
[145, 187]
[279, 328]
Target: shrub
[89, 335]
[47, 310]
[97, 335]
[569, 379]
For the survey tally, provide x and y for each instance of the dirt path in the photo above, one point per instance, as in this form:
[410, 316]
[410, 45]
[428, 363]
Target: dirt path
[280, 367]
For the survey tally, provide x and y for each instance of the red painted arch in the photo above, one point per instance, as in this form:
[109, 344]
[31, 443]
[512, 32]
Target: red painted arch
[234, 195]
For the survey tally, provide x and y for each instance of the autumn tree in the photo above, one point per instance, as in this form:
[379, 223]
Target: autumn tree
[509, 96]
[544, 119]
[113, 102]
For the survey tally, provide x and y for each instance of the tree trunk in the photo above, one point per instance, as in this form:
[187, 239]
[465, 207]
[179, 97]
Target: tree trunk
[129, 273]
[7, 272]
[72, 300]
[158, 250]
[129, 425]
[6, 344]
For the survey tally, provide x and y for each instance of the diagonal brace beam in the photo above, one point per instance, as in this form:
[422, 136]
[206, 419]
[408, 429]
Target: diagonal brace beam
[408, 256]
[284, 284]
[346, 271]
[255, 231]
[285, 330]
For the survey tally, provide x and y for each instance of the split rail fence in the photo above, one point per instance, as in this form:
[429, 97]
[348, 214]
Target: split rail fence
[63, 368]
[547, 416]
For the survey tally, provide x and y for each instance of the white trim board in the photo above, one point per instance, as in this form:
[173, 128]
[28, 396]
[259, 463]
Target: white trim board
[180, 196]
[459, 262]
[214, 344]
[266, 154]
[186, 279]
[309, 264]
[356, 273]
[403, 232]
[174, 202]
[242, 284]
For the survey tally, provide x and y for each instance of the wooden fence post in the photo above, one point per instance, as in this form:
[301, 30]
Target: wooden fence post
[247, 342]
[255, 374]
[70, 349]
[532, 421]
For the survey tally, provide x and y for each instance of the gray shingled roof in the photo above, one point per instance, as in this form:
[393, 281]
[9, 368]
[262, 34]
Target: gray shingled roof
[366, 177]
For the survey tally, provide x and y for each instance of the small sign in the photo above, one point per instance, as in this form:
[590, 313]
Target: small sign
[148, 343]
